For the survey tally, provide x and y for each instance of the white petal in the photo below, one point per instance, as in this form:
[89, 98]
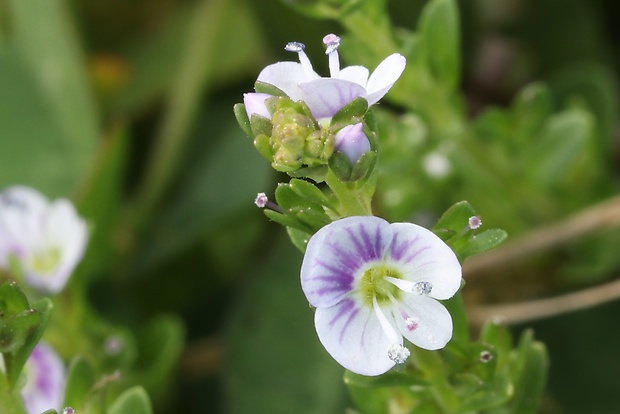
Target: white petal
[424, 257]
[255, 104]
[434, 323]
[354, 338]
[335, 254]
[286, 76]
[355, 74]
[382, 79]
[326, 96]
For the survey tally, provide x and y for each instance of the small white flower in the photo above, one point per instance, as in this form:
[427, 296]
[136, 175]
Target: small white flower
[372, 284]
[45, 380]
[326, 96]
[48, 239]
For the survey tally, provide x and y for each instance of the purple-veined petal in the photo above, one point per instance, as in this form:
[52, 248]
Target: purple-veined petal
[424, 257]
[326, 96]
[45, 380]
[382, 79]
[425, 322]
[336, 253]
[353, 336]
[352, 142]
[355, 74]
[255, 104]
[286, 76]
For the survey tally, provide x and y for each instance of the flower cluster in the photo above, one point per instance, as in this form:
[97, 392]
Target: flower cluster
[47, 239]
[372, 284]
[293, 116]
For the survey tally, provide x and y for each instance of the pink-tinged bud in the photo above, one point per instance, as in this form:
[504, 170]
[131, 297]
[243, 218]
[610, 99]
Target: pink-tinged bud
[352, 142]
[255, 104]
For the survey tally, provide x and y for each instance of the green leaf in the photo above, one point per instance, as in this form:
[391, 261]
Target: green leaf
[440, 33]
[43, 73]
[12, 299]
[133, 401]
[483, 242]
[530, 377]
[14, 361]
[80, 379]
[310, 192]
[299, 238]
[562, 140]
[99, 201]
[455, 219]
[16, 329]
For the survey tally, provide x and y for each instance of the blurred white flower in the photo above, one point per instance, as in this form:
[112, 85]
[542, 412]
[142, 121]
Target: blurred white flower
[48, 239]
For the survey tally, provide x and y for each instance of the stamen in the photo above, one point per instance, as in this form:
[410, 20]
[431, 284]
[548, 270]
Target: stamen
[398, 353]
[474, 222]
[332, 42]
[262, 201]
[423, 288]
[387, 327]
[410, 323]
[298, 48]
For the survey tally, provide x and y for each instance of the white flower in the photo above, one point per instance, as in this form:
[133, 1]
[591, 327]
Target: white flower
[45, 380]
[48, 239]
[372, 284]
[326, 96]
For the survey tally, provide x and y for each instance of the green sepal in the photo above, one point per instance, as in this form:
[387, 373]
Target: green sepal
[299, 238]
[439, 32]
[50, 411]
[133, 401]
[262, 144]
[484, 241]
[363, 166]
[357, 108]
[242, 119]
[80, 379]
[341, 166]
[262, 87]
[454, 220]
[390, 379]
[530, 108]
[14, 361]
[15, 329]
[260, 125]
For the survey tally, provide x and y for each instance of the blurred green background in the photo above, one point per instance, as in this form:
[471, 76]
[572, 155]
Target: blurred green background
[126, 107]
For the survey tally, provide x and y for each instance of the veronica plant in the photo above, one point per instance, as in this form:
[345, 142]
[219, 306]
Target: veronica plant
[385, 295]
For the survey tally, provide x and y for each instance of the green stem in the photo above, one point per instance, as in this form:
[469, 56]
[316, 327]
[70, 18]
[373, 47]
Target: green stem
[354, 201]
